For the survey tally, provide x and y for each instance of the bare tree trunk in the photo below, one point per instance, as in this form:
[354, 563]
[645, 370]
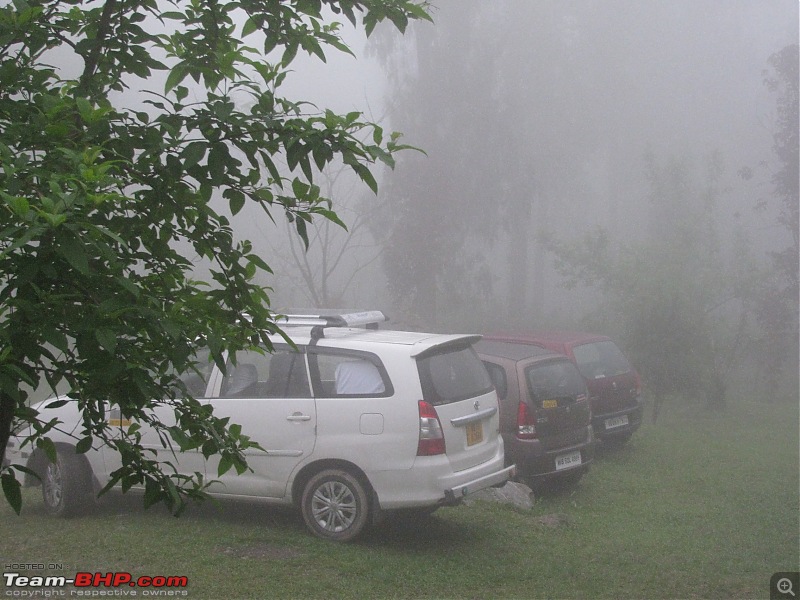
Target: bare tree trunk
[7, 405]
[657, 407]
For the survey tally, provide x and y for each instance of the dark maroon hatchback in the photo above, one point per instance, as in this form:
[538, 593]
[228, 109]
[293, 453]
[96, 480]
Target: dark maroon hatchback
[614, 385]
[545, 418]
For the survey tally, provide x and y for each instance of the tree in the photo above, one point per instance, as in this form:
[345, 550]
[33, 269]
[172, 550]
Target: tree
[777, 306]
[327, 271]
[434, 219]
[783, 80]
[673, 297]
[110, 178]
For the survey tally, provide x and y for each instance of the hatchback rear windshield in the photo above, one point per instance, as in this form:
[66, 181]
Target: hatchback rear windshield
[600, 359]
[453, 375]
[558, 379]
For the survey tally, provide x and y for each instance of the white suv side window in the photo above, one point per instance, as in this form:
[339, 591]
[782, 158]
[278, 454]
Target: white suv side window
[281, 374]
[358, 377]
[197, 382]
[348, 374]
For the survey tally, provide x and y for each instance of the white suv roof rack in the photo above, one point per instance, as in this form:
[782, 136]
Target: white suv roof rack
[332, 318]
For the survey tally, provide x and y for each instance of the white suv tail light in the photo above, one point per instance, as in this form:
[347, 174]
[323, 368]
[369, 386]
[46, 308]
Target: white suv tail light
[431, 436]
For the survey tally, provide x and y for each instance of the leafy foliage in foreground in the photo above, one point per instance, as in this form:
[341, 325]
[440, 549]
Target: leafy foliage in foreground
[106, 209]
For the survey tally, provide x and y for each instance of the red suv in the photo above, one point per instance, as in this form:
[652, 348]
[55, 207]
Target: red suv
[614, 385]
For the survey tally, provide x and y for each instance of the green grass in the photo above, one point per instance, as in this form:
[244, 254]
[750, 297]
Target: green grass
[691, 508]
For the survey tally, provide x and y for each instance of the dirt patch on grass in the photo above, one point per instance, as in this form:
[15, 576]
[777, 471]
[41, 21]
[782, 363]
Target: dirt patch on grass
[554, 520]
[257, 550]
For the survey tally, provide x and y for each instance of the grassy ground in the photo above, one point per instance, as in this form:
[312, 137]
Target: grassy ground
[703, 507]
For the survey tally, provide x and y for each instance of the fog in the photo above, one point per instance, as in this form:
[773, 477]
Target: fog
[537, 116]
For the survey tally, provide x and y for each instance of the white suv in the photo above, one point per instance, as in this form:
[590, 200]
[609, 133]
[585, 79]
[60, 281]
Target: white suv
[354, 421]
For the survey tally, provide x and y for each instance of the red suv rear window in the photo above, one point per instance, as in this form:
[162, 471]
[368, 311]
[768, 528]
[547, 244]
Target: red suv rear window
[600, 359]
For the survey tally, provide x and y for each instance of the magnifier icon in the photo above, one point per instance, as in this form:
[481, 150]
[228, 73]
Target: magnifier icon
[784, 586]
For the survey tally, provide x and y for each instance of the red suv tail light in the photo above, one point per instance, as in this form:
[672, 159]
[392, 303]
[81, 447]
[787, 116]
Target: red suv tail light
[431, 436]
[638, 389]
[526, 422]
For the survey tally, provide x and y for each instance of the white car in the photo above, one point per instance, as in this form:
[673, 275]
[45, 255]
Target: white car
[354, 421]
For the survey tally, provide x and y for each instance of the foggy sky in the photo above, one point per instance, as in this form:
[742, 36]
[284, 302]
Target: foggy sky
[604, 81]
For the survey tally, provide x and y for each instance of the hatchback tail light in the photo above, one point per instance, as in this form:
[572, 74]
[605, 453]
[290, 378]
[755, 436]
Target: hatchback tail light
[431, 436]
[526, 422]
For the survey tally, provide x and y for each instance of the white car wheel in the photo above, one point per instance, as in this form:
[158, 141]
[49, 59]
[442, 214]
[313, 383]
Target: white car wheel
[64, 484]
[335, 505]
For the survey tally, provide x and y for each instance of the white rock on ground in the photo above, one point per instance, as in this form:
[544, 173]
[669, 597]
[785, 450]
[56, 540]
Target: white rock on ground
[518, 494]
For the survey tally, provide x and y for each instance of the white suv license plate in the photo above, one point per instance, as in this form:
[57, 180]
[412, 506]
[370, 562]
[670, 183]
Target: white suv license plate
[565, 461]
[616, 422]
[474, 433]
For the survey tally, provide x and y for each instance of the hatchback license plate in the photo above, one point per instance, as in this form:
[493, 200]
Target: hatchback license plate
[550, 404]
[474, 433]
[616, 422]
[565, 461]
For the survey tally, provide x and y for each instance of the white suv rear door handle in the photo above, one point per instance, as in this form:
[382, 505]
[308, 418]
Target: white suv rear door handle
[298, 417]
[478, 416]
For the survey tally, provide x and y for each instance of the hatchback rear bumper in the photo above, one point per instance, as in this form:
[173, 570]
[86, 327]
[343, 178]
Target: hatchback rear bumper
[604, 424]
[535, 458]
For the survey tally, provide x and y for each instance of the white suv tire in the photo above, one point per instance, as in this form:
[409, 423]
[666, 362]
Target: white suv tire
[65, 484]
[335, 505]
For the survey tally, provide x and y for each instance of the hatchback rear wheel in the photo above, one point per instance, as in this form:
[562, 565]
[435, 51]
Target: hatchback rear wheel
[335, 505]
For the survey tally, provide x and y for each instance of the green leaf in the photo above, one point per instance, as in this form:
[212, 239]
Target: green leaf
[259, 262]
[366, 176]
[193, 154]
[19, 205]
[264, 195]
[54, 220]
[152, 493]
[49, 448]
[236, 200]
[289, 53]
[176, 75]
[377, 134]
[302, 231]
[84, 109]
[73, 251]
[83, 445]
[331, 216]
[300, 188]
[249, 27]
[225, 464]
[56, 404]
[107, 339]
[12, 490]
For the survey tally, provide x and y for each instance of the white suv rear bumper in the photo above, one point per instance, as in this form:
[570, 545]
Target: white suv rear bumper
[455, 494]
[432, 482]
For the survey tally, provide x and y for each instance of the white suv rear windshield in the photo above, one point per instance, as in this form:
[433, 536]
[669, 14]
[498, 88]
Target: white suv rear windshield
[453, 375]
